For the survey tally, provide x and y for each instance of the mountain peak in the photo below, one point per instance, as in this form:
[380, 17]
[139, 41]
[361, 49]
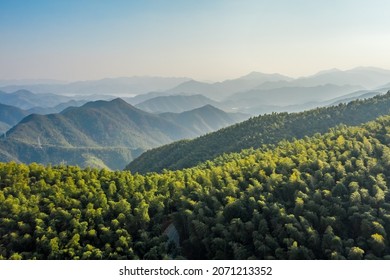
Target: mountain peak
[119, 101]
[208, 107]
[23, 92]
[328, 71]
[263, 76]
[104, 103]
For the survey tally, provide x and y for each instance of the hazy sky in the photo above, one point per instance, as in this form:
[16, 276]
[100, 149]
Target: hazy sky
[203, 39]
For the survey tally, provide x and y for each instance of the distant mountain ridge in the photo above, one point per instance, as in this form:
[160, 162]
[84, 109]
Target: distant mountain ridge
[123, 85]
[292, 95]
[25, 99]
[368, 77]
[220, 90]
[175, 103]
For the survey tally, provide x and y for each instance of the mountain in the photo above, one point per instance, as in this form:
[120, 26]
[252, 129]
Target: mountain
[109, 133]
[259, 93]
[25, 99]
[11, 115]
[143, 97]
[321, 197]
[256, 101]
[58, 108]
[349, 98]
[261, 77]
[175, 103]
[266, 109]
[220, 90]
[193, 87]
[360, 78]
[384, 87]
[11, 82]
[99, 125]
[204, 119]
[253, 133]
[113, 86]
[368, 77]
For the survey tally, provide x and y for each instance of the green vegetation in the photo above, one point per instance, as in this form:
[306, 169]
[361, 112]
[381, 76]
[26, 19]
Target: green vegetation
[253, 133]
[324, 197]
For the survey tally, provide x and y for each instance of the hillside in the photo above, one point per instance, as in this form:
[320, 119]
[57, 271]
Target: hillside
[205, 119]
[58, 108]
[104, 133]
[324, 197]
[25, 99]
[264, 129]
[175, 103]
[10, 115]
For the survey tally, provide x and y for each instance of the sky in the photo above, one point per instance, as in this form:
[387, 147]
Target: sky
[202, 39]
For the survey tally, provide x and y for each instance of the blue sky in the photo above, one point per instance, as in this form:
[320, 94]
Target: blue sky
[206, 40]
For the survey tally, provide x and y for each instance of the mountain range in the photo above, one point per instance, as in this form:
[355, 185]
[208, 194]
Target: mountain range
[258, 93]
[257, 101]
[164, 110]
[221, 90]
[109, 133]
[144, 88]
[176, 103]
[110, 86]
[25, 99]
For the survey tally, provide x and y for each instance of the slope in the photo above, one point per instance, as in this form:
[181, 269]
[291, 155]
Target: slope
[255, 100]
[205, 119]
[11, 115]
[175, 103]
[25, 99]
[265, 129]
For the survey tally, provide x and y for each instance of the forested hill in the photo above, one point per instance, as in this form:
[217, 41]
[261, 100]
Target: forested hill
[264, 129]
[104, 133]
[324, 197]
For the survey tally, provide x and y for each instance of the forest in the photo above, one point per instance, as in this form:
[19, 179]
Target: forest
[319, 197]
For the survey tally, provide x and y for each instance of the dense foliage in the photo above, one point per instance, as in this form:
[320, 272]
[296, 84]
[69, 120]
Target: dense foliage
[264, 129]
[324, 197]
